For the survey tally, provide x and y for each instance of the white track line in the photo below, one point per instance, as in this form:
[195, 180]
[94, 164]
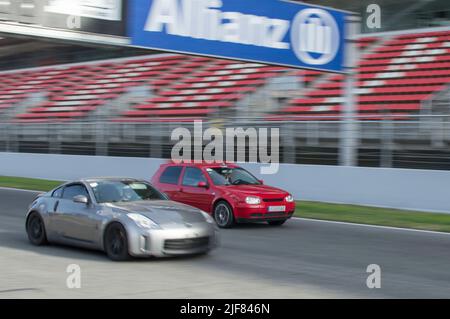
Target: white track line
[372, 226]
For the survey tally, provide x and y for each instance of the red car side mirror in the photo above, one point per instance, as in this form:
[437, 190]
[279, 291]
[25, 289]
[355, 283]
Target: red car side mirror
[261, 181]
[202, 184]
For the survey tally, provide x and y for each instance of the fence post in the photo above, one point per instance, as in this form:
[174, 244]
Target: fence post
[157, 140]
[287, 132]
[387, 142]
[101, 143]
[53, 133]
[349, 128]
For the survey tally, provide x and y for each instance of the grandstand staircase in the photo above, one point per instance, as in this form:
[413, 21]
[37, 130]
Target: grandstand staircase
[210, 92]
[436, 119]
[272, 96]
[395, 76]
[132, 96]
[438, 104]
[263, 100]
[23, 106]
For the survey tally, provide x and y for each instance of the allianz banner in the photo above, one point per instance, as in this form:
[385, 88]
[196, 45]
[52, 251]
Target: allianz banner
[267, 31]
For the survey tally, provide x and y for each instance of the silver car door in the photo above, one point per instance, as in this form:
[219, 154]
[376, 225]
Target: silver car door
[76, 221]
[61, 218]
[56, 215]
[80, 221]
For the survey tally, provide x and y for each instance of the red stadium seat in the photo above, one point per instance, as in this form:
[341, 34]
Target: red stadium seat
[395, 75]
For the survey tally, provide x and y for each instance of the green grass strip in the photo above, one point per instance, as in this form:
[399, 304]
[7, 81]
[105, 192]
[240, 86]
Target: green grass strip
[28, 183]
[306, 209]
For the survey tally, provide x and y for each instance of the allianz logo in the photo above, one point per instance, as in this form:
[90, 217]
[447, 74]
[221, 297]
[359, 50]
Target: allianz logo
[314, 34]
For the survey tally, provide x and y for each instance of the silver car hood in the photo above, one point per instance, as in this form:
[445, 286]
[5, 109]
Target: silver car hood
[162, 212]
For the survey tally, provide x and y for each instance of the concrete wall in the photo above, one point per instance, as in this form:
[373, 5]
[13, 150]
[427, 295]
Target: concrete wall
[399, 188]
[68, 167]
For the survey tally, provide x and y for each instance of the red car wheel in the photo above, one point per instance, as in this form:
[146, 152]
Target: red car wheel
[223, 214]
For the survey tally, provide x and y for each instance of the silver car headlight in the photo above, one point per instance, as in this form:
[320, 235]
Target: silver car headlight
[289, 198]
[143, 221]
[253, 200]
[208, 217]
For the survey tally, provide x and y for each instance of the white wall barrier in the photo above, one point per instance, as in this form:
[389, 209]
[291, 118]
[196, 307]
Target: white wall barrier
[425, 190]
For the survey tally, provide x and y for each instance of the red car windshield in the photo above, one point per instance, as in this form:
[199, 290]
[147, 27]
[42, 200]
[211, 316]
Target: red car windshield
[231, 176]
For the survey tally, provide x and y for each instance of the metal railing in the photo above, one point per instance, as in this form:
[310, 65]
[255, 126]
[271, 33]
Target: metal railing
[421, 142]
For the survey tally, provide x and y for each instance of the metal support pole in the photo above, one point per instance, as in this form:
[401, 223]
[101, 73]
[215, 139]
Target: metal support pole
[387, 143]
[8, 138]
[101, 143]
[349, 132]
[288, 140]
[54, 139]
[157, 140]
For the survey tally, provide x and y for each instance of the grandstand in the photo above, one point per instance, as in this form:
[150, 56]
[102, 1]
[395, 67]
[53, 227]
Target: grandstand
[402, 82]
[397, 75]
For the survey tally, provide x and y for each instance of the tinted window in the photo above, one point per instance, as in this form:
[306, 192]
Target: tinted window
[217, 178]
[237, 176]
[124, 191]
[73, 190]
[192, 176]
[171, 175]
[57, 192]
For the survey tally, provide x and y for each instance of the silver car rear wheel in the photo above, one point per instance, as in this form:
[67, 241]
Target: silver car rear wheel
[36, 230]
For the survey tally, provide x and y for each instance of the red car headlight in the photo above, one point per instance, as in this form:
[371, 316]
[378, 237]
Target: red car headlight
[289, 198]
[253, 200]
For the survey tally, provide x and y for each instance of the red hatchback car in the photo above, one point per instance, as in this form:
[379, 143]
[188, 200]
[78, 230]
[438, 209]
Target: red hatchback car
[228, 192]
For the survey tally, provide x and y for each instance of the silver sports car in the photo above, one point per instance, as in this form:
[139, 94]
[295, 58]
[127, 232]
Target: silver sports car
[124, 217]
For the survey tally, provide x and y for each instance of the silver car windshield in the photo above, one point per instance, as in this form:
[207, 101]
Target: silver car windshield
[124, 191]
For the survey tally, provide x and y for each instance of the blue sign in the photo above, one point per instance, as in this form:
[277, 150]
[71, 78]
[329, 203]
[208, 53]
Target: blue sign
[267, 31]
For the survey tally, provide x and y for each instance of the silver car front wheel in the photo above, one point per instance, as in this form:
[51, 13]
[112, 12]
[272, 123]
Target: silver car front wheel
[116, 242]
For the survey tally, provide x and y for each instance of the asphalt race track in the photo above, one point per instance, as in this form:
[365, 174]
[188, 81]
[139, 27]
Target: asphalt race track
[302, 259]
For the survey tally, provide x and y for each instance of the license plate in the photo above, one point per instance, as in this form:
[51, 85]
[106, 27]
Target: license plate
[277, 208]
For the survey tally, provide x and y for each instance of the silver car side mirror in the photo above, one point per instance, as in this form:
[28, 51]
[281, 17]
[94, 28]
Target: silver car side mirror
[81, 199]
